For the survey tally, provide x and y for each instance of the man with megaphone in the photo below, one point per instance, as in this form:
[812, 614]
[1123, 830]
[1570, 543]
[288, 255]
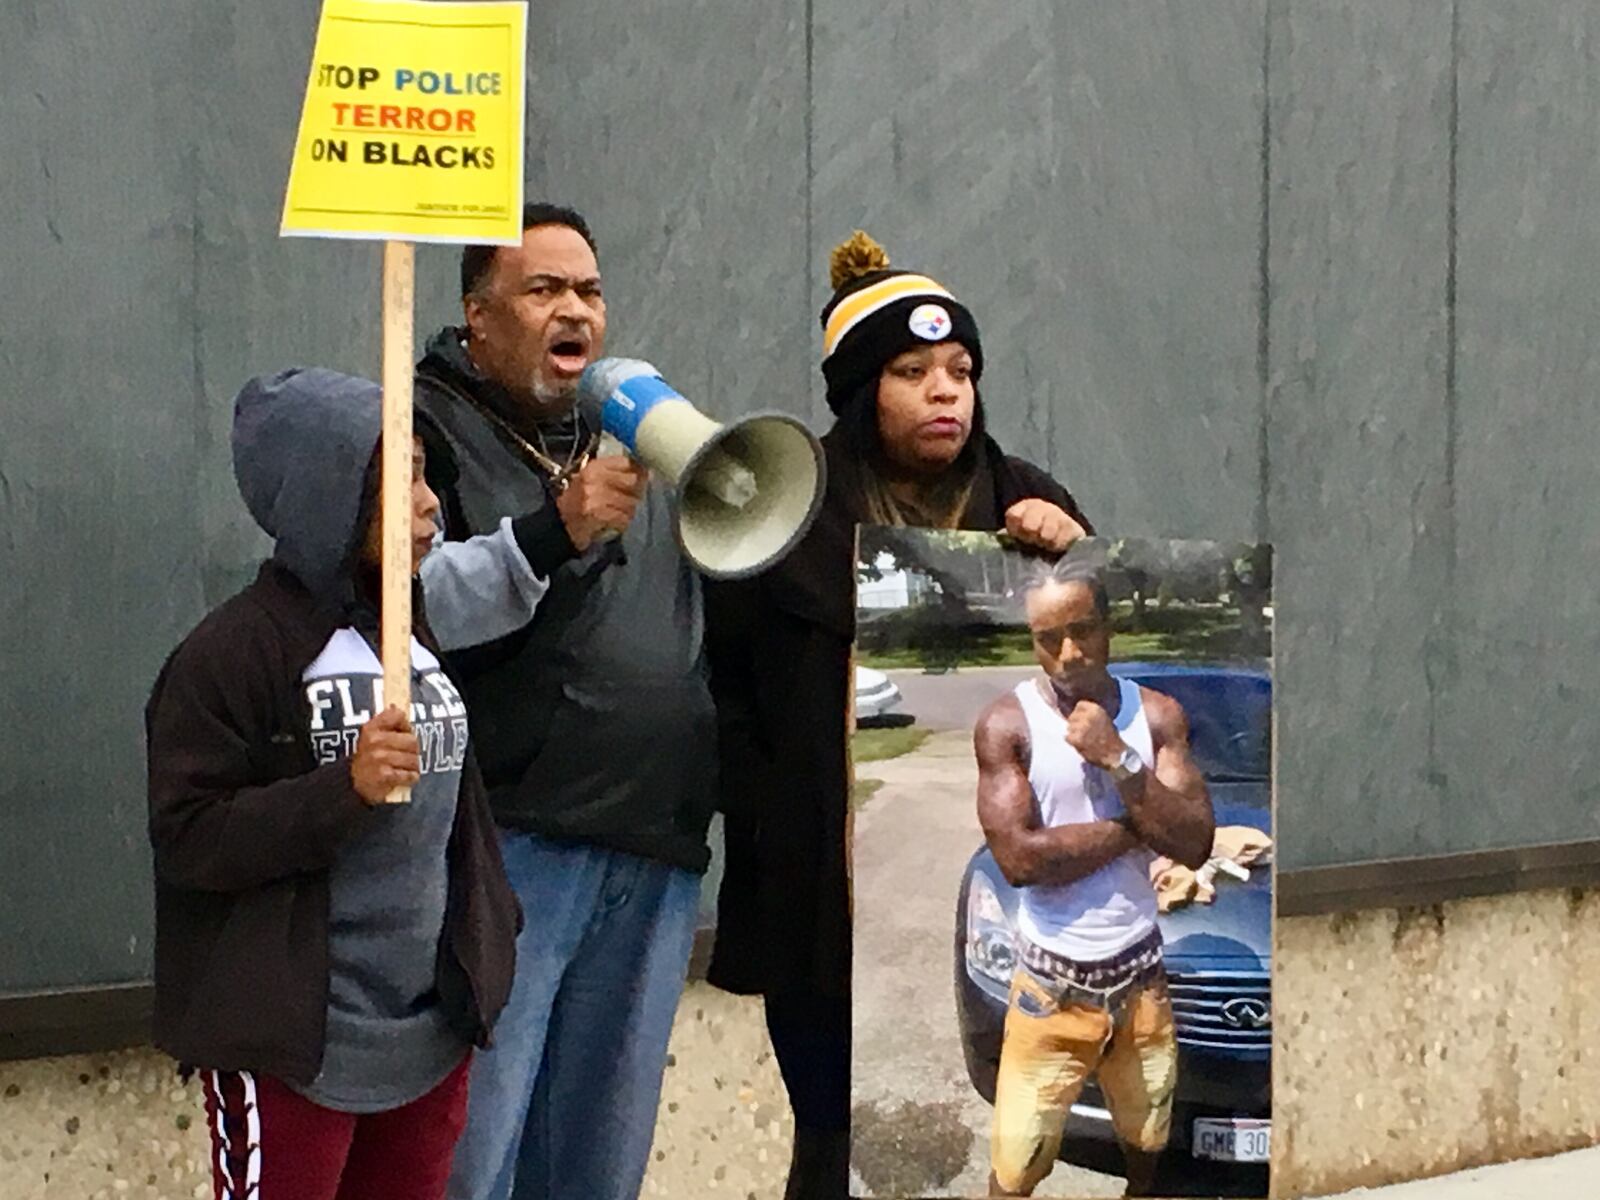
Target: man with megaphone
[574, 622]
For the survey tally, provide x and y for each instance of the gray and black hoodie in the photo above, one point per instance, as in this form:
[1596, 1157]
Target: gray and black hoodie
[300, 932]
[592, 716]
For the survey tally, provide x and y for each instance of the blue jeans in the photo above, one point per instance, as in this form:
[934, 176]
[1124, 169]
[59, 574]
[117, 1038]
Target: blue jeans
[564, 1104]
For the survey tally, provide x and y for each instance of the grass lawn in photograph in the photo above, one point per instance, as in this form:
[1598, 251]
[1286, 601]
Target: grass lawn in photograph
[877, 744]
[883, 742]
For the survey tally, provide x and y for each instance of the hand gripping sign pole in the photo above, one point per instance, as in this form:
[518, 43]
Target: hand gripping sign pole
[412, 131]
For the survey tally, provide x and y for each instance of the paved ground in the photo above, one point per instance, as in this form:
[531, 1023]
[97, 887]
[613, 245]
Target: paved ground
[122, 1127]
[724, 1126]
[1571, 1176]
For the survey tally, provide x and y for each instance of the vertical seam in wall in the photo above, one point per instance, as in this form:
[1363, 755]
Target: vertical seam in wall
[1439, 648]
[203, 438]
[1263, 523]
[1450, 429]
[1042, 416]
[1451, 382]
[197, 374]
[805, 250]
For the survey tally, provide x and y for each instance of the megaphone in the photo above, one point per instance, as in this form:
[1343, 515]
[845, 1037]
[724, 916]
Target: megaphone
[747, 491]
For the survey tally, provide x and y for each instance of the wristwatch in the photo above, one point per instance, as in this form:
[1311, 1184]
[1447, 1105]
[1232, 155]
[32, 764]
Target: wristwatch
[1129, 765]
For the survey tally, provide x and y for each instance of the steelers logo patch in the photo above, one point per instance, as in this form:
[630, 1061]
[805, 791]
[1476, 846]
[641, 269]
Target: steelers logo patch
[930, 322]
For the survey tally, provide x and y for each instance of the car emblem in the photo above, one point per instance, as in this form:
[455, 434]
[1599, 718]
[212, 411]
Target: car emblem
[1246, 1012]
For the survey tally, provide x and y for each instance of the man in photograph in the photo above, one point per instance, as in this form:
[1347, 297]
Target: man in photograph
[1083, 780]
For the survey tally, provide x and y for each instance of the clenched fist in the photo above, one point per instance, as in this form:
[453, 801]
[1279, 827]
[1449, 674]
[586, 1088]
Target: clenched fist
[1091, 733]
[1042, 524]
[602, 496]
[387, 756]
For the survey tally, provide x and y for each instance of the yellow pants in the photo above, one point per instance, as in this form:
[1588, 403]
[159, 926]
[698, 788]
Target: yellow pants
[1052, 1046]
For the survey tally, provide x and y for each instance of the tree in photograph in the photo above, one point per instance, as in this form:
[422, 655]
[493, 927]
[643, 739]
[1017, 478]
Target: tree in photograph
[952, 594]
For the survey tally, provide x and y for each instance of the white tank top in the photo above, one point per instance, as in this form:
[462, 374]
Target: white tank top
[1104, 913]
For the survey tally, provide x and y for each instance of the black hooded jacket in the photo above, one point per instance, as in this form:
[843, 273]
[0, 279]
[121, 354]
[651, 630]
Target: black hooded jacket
[244, 825]
[594, 721]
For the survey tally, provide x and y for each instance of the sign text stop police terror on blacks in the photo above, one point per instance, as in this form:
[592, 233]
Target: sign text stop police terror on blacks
[431, 116]
[412, 124]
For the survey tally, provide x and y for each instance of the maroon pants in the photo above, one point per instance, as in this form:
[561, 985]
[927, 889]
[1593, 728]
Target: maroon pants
[270, 1143]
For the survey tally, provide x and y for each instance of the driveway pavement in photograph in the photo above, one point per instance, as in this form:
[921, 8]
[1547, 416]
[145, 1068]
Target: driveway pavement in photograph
[953, 700]
[921, 1129]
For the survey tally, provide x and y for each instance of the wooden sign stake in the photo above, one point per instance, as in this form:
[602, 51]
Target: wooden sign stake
[399, 291]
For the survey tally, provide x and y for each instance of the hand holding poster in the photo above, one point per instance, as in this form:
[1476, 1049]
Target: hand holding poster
[411, 131]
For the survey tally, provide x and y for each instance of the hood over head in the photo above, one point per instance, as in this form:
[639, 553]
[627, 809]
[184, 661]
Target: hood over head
[303, 440]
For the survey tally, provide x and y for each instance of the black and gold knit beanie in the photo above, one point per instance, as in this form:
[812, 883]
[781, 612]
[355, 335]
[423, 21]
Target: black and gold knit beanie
[877, 313]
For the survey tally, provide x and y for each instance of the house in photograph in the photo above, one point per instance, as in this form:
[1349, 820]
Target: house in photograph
[889, 586]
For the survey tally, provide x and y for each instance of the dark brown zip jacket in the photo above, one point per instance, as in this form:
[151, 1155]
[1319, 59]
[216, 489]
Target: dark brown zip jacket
[245, 827]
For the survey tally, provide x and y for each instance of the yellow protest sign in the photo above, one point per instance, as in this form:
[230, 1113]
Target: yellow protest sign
[413, 123]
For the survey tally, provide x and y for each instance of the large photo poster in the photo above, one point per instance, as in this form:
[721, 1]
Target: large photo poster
[1061, 865]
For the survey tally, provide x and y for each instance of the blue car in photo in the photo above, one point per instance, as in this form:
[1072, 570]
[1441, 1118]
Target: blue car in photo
[1218, 955]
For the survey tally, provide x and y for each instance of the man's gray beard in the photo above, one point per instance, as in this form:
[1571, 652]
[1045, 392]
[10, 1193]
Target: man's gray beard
[552, 401]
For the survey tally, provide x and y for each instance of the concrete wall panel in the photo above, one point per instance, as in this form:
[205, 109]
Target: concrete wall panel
[1358, 263]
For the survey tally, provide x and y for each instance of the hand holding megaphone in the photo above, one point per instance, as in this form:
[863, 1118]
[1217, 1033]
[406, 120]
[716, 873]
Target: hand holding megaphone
[747, 491]
[600, 500]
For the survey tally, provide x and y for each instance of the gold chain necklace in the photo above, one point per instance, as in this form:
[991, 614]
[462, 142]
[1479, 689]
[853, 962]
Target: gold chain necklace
[560, 473]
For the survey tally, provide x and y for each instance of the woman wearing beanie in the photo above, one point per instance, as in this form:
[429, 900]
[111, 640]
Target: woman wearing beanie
[902, 360]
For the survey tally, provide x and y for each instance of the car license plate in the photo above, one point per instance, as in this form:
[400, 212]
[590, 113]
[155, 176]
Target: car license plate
[1240, 1139]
